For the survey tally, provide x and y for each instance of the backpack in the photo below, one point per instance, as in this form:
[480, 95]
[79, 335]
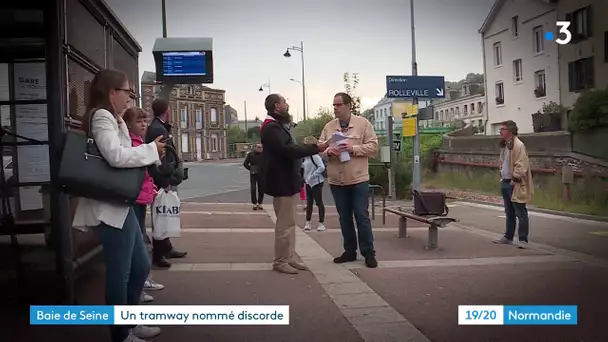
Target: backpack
[324, 164]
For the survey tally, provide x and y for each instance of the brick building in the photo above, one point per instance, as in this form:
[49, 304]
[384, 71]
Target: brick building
[197, 114]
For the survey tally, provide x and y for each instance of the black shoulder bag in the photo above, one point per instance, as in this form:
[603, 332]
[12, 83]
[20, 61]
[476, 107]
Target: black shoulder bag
[84, 172]
[430, 203]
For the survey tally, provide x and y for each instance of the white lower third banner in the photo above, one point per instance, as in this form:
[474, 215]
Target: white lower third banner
[160, 315]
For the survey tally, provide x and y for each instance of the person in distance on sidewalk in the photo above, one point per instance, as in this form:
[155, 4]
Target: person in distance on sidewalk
[281, 162]
[516, 184]
[252, 164]
[313, 176]
[349, 179]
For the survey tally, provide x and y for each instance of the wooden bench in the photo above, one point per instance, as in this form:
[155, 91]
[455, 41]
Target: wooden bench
[434, 222]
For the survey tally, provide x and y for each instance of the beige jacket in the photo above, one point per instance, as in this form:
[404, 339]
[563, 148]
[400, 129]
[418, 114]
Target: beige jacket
[520, 168]
[362, 137]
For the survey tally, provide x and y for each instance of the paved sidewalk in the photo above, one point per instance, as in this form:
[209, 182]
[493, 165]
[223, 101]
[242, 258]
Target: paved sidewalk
[412, 296]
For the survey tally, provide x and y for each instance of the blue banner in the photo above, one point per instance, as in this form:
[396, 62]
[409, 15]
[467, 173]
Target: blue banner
[72, 315]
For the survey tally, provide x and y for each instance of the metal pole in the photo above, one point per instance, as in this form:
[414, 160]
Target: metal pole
[303, 82]
[391, 170]
[61, 223]
[164, 14]
[416, 174]
[245, 120]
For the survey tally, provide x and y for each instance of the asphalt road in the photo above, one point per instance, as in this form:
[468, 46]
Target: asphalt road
[225, 181]
[211, 178]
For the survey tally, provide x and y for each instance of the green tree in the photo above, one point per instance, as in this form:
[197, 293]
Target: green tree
[253, 133]
[234, 134]
[313, 126]
[351, 82]
[590, 111]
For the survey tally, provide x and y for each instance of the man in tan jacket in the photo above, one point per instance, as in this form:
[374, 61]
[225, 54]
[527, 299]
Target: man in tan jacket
[516, 184]
[349, 178]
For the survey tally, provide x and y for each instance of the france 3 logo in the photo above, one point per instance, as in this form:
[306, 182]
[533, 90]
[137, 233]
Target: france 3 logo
[563, 31]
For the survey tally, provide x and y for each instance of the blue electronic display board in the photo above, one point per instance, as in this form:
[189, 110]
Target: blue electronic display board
[193, 63]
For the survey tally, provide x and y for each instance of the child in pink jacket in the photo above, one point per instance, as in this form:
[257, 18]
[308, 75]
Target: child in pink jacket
[136, 120]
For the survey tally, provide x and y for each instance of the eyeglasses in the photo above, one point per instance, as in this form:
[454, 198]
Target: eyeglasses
[130, 92]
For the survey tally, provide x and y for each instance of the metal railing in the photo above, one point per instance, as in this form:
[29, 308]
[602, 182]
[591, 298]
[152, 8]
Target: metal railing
[372, 188]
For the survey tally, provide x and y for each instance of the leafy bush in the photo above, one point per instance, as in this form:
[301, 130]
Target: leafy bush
[590, 111]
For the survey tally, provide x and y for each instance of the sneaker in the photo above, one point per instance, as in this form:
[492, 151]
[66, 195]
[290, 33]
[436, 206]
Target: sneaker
[321, 227]
[285, 268]
[145, 298]
[151, 285]
[145, 332]
[522, 244]
[260, 207]
[371, 261]
[255, 207]
[298, 266]
[307, 226]
[345, 257]
[132, 338]
[503, 241]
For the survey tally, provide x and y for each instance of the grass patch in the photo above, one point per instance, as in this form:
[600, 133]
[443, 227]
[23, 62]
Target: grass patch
[588, 197]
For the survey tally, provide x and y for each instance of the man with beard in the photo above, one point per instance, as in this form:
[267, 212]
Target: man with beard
[281, 162]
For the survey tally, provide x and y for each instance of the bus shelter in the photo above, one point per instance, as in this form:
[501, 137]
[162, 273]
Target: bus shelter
[50, 50]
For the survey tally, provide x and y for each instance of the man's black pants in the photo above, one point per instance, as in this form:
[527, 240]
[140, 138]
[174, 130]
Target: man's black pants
[257, 195]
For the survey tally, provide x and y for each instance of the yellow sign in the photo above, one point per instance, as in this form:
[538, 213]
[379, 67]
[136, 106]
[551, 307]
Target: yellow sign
[412, 110]
[409, 127]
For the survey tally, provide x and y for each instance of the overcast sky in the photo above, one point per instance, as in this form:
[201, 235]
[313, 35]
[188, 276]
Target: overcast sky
[368, 37]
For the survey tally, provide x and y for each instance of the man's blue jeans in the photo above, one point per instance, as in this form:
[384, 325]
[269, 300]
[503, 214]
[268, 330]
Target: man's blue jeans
[127, 267]
[353, 200]
[514, 211]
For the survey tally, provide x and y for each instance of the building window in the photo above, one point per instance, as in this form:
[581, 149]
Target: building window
[436, 115]
[190, 90]
[580, 27]
[539, 39]
[580, 74]
[500, 93]
[199, 118]
[213, 116]
[185, 146]
[214, 143]
[472, 108]
[497, 54]
[465, 111]
[184, 117]
[517, 70]
[457, 112]
[479, 107]
[515, 26]
[540, 89]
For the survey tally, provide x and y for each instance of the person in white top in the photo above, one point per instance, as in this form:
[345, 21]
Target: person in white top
[125, 255]
[313, 177]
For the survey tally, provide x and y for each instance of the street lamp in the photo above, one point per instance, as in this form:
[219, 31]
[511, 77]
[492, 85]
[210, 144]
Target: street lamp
[287, 54]
[267, 85]
[306, 91]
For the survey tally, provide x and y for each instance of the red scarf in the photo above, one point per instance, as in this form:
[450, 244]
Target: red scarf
[267, 120]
